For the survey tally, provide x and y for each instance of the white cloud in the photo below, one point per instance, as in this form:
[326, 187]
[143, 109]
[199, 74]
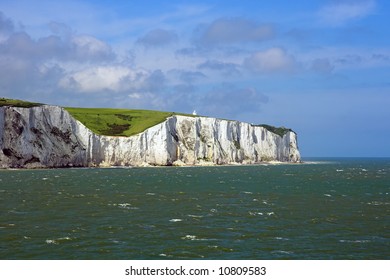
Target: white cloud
[104, 78]
[136, 95]
[340, 12]
[88, 46]
[273, 60]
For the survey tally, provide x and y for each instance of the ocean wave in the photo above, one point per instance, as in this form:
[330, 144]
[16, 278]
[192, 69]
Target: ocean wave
[246, 192]
[218, 248]
[195, 238]
[282, 252]
[251, 213]
[124, 206]
[189, 237]
[195, 216]
[58, 240]
[17, 212]
[282, 238]
[378, 203]
[354, 241]
[165, 255]
[64, 238]
[317, 162]
[175, 220]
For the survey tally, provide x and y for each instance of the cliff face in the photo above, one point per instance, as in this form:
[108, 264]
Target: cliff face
[48, 136]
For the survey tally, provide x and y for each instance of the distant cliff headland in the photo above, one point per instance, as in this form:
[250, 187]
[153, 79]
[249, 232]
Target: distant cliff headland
[34, 135]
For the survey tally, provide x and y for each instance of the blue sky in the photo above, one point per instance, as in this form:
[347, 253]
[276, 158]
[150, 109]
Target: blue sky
[321, 68]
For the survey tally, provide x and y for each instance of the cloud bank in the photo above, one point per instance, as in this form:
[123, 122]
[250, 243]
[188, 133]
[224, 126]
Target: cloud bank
[220, 65]
[158, 37]
[231, 31]
[273, 60]
[340, 12]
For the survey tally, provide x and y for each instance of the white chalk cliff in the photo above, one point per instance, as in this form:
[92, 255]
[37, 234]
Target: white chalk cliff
[48, 136]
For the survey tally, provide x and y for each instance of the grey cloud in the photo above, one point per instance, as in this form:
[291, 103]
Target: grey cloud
[196, 51]
[19, 44]
[78, 48]
[349, 59]
[300, 35]
[233, 30]
[25, 79]
[228, 100]
[228, 69]
[185, 76]
[61, 45]
[322, 66]
[150, 92]
[224, 101]
[6, 25]
[158, 37]
[180, 98]
[60, 28]
[155, 82]
[191, 76]
[381, 57]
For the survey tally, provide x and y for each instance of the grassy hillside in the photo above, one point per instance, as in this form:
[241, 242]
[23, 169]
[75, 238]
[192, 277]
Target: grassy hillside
[104, 121]
[118, 122]
[17, 103]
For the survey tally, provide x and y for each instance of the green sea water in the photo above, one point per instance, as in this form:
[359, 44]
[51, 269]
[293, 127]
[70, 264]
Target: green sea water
[324, 209]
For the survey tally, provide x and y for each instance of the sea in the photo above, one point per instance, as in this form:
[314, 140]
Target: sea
[328, 208]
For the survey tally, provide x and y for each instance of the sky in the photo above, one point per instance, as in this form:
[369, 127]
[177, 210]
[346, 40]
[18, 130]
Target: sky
[320, 67]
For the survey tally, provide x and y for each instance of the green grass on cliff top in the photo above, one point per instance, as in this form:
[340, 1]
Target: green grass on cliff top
[118, 122]
[104, 121]
[17, 103]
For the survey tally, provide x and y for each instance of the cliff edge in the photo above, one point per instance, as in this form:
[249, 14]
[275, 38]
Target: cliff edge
[48, 136]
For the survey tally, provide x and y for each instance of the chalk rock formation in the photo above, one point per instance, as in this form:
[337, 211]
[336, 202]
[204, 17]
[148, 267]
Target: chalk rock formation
[48, 136]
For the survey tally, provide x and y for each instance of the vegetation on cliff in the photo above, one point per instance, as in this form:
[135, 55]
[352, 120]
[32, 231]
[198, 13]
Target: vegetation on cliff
[118, 122]
[17, 103]
[277, 130]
